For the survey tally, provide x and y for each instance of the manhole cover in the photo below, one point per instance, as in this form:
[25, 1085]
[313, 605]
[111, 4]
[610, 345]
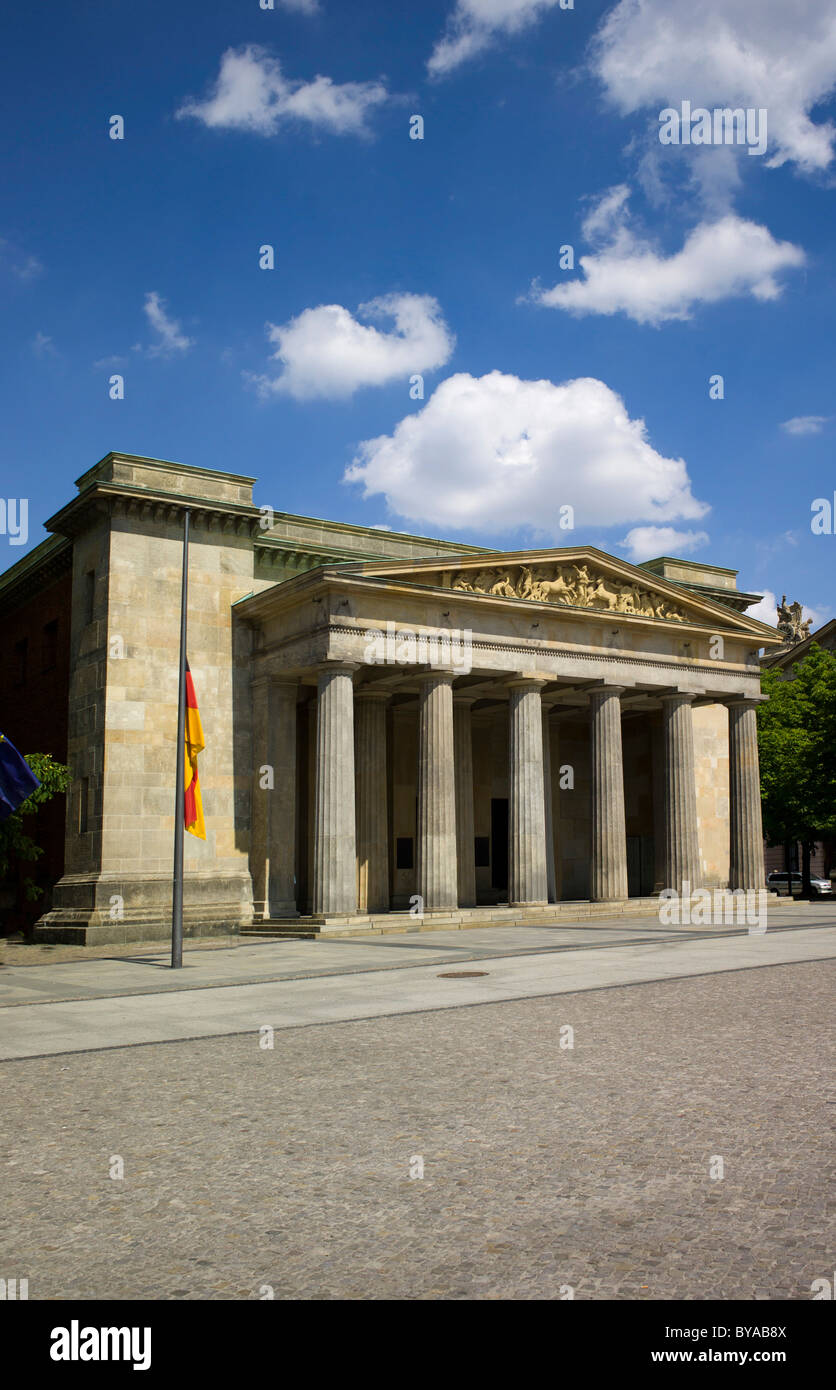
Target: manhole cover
[461, 974]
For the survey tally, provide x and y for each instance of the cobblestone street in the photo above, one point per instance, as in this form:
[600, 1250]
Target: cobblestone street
[544, 1168]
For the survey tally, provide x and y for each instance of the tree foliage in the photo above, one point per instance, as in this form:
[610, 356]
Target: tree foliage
[797, 748]
[17, 846]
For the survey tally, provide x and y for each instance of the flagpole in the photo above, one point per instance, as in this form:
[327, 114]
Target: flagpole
[179, 799]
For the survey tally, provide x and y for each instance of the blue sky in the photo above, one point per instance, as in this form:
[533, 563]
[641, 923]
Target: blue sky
[439, 257]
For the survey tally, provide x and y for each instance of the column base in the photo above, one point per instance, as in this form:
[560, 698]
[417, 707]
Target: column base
[335, 919]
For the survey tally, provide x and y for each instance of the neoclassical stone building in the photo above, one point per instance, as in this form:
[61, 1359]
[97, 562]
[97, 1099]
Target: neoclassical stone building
[400, 732]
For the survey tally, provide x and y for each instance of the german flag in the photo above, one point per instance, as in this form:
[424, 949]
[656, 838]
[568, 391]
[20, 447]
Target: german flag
[195, 744]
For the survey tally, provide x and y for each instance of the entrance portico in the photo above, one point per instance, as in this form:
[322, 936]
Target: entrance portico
[504, 735]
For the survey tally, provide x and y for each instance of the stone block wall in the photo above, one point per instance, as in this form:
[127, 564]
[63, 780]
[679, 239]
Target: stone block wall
[123, 723]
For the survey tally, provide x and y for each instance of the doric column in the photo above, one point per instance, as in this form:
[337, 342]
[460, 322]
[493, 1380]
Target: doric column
[282, 880]
[746, 830]
[309, 779]
[682, 847]
[608, 875]
[527, 876]
[437, 875]
[551, 877]
[260, 800]
[335, 864]
[372, 801]
[465, 835]
[273, 825]
[657, 759]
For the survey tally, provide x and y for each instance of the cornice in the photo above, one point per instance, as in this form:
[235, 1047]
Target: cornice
[123, 499]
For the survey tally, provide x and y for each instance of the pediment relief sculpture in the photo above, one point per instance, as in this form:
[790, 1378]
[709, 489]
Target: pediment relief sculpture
[575, 585]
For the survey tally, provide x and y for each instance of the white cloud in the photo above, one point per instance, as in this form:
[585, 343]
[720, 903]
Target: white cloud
[18, 262]
[474, 24]
[751, 53]
[805, 424]
[170, 336]
[43, 346]
[765, 610]
[720, 259]
[327, 352]
[818, 617]
[495, 453]
[251, 93]
[648, 542]
[712, 173]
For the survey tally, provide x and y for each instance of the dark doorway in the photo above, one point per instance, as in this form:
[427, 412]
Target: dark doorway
[499, 843]
[640, 865]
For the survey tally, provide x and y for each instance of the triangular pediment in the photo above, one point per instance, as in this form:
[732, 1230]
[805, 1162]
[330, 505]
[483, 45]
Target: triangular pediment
[573, 578]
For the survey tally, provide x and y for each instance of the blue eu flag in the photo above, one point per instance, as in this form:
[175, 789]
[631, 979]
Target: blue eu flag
[17, 780]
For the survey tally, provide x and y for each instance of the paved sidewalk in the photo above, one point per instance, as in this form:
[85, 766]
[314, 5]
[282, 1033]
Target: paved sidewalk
[32, 1030]
[253, 960]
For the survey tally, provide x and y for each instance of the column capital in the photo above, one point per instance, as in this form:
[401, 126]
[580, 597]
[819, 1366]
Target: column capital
[685, 697]
[746, 701]
[447, 677]
[379, 696]
[525, 681]
[336, 668]
[603, 689]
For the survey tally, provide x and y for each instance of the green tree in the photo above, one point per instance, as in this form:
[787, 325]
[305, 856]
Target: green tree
[797, 747]
[17, 846]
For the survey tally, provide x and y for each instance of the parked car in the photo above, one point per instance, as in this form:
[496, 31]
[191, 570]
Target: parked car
[777, 883]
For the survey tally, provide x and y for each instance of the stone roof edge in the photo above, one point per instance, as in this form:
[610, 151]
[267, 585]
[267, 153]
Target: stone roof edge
[165, 466]
[680, 560]
[457, 547]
